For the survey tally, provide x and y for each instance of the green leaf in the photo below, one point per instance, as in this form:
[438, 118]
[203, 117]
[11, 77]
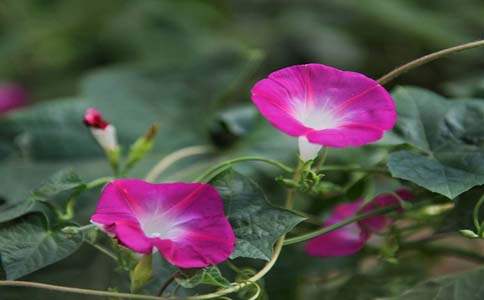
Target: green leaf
[27, 245]
[256, 223]
[61, 181]
[448, 136]
[191, 278]
[464, 286]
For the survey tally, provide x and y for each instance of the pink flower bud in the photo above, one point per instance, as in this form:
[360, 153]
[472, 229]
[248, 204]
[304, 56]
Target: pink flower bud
[93, 118]
[103, 132]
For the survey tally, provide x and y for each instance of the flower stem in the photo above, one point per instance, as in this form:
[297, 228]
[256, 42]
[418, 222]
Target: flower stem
[352, 169]
[104, 251]
[426, 59]
[475, 215]
[69, 211]
[172, 158]
[206, 176]
[37, 285]
[98, 182]
[262, 272]
[167, 283]
[313, 234]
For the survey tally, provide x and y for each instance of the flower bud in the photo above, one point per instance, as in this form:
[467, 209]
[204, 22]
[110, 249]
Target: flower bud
[103, 132]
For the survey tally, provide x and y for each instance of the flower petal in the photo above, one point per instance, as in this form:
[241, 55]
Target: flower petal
[345, 136]
[341, 242]
[331, 107]
[185, 221]
[205, 241]
[344, 241]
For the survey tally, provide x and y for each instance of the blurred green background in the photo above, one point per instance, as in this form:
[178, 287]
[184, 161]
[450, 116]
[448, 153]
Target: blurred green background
[152, 60]
[48, 44]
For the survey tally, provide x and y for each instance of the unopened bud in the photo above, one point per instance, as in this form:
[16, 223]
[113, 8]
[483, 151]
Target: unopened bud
[469, 234]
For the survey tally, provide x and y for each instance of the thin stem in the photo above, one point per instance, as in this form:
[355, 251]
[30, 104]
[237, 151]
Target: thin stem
[352, 169]
[322, 158]
[167, 283]
[57, 288]
[104, 250]
[222, 165]
[172, 158]
[475, 215]
[338, 225]
[69, 211]
[98, 182]
[262, 272]
[426, 59]
[86, 227]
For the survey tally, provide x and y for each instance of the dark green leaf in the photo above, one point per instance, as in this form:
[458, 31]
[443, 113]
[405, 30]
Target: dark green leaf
[465, 286]
[61, 181]
[449, 137]
[257, 224]
[194, 277]
[26, 245]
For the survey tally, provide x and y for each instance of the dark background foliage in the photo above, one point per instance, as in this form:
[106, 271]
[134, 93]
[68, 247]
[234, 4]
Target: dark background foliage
[166, 61]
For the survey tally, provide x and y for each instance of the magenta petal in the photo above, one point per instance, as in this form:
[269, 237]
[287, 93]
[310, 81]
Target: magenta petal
[206, 241]
[331, 107]
[341, 242]
[344, 241]
[350, 135]
[185, 221]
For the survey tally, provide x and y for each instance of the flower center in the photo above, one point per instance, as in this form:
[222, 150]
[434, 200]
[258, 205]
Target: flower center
[318, 118]
[158, 226]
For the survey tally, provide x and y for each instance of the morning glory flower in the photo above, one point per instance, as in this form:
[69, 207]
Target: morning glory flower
[351, 238]
[103, 132]
[185, 222]
[324, 106]
[12, 96]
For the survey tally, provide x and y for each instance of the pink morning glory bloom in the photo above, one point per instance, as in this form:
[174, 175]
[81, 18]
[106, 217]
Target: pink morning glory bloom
[12, 96]
[324, 106]
[351, 238]
[185, 222]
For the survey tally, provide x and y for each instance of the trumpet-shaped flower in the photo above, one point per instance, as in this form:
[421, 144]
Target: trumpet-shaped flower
[324, 106]
[351, 238]
[185, 222]
[12, 96]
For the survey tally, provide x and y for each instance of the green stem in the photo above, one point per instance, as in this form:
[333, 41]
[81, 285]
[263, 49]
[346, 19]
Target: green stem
[352, 169]
[475, 215]
[69, 211]
[262, 272]
[104, 251]
[426, 59]
[167, 283]
[173, 157]
[338, 225]
[322, 158]
[206, 175]
[57, 288]
[98, 182]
